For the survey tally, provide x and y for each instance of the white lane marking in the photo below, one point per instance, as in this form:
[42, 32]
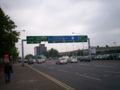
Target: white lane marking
[113, 72]
[87, 76]
[62, 70]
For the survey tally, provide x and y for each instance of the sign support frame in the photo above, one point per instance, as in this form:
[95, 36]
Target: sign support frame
[22, 49]
[89, 49]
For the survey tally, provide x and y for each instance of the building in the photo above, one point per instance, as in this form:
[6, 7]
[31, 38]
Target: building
[107, 50]
[95, 51]
[40, 50]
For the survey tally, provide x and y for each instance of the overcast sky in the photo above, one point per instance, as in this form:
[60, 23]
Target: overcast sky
[99, 19]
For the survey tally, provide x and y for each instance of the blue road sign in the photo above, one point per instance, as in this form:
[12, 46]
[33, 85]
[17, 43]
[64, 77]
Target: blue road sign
[59, 39]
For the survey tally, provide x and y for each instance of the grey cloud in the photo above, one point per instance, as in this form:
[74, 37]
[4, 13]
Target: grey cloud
[20, 4]
[107, 17]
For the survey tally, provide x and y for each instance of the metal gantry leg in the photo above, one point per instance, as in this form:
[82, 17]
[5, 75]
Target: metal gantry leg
[89, 49]
[22, 47]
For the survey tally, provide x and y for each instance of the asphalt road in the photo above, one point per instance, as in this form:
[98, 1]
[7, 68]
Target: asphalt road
[97, 75]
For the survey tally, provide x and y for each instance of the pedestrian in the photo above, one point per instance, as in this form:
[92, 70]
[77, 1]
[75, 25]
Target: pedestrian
[7, 71]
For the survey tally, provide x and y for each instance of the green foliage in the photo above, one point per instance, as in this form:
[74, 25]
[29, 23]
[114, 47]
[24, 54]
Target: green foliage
[8, 37]
[14, 54]
[28, 56]
[46, 54]
[53, 53]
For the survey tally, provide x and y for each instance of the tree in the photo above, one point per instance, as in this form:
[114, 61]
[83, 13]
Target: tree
[28, 56]
[107, 46]
[8, 36]
[14, 54]
[46, 54]
[98, 46]
[53, 53]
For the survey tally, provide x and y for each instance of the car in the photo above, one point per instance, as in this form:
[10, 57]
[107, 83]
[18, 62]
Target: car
[73, 60]
[119, 57]
[34, 61]
[25, 60]
[62, 60]
[42, 60]
[84, 59]
[30, 61]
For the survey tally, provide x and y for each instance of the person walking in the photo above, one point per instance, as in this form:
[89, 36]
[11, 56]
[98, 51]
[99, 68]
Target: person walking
[7, 71]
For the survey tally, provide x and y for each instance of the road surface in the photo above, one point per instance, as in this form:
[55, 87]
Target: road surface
[97, 75]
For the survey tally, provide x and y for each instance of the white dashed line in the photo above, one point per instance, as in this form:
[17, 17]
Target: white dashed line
[87, 76]
[62, 70]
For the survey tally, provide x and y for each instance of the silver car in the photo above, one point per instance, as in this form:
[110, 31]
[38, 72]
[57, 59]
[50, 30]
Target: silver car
[62, 60]
[73, 60]
[42, 60]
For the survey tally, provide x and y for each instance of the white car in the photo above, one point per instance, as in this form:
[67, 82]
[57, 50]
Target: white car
[34, 61]
[73, 60]
[42, 60]
[62, 60]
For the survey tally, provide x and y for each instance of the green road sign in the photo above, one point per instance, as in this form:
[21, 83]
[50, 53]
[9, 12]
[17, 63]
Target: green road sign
[83, 38]
[36, 39]
[56, 39]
